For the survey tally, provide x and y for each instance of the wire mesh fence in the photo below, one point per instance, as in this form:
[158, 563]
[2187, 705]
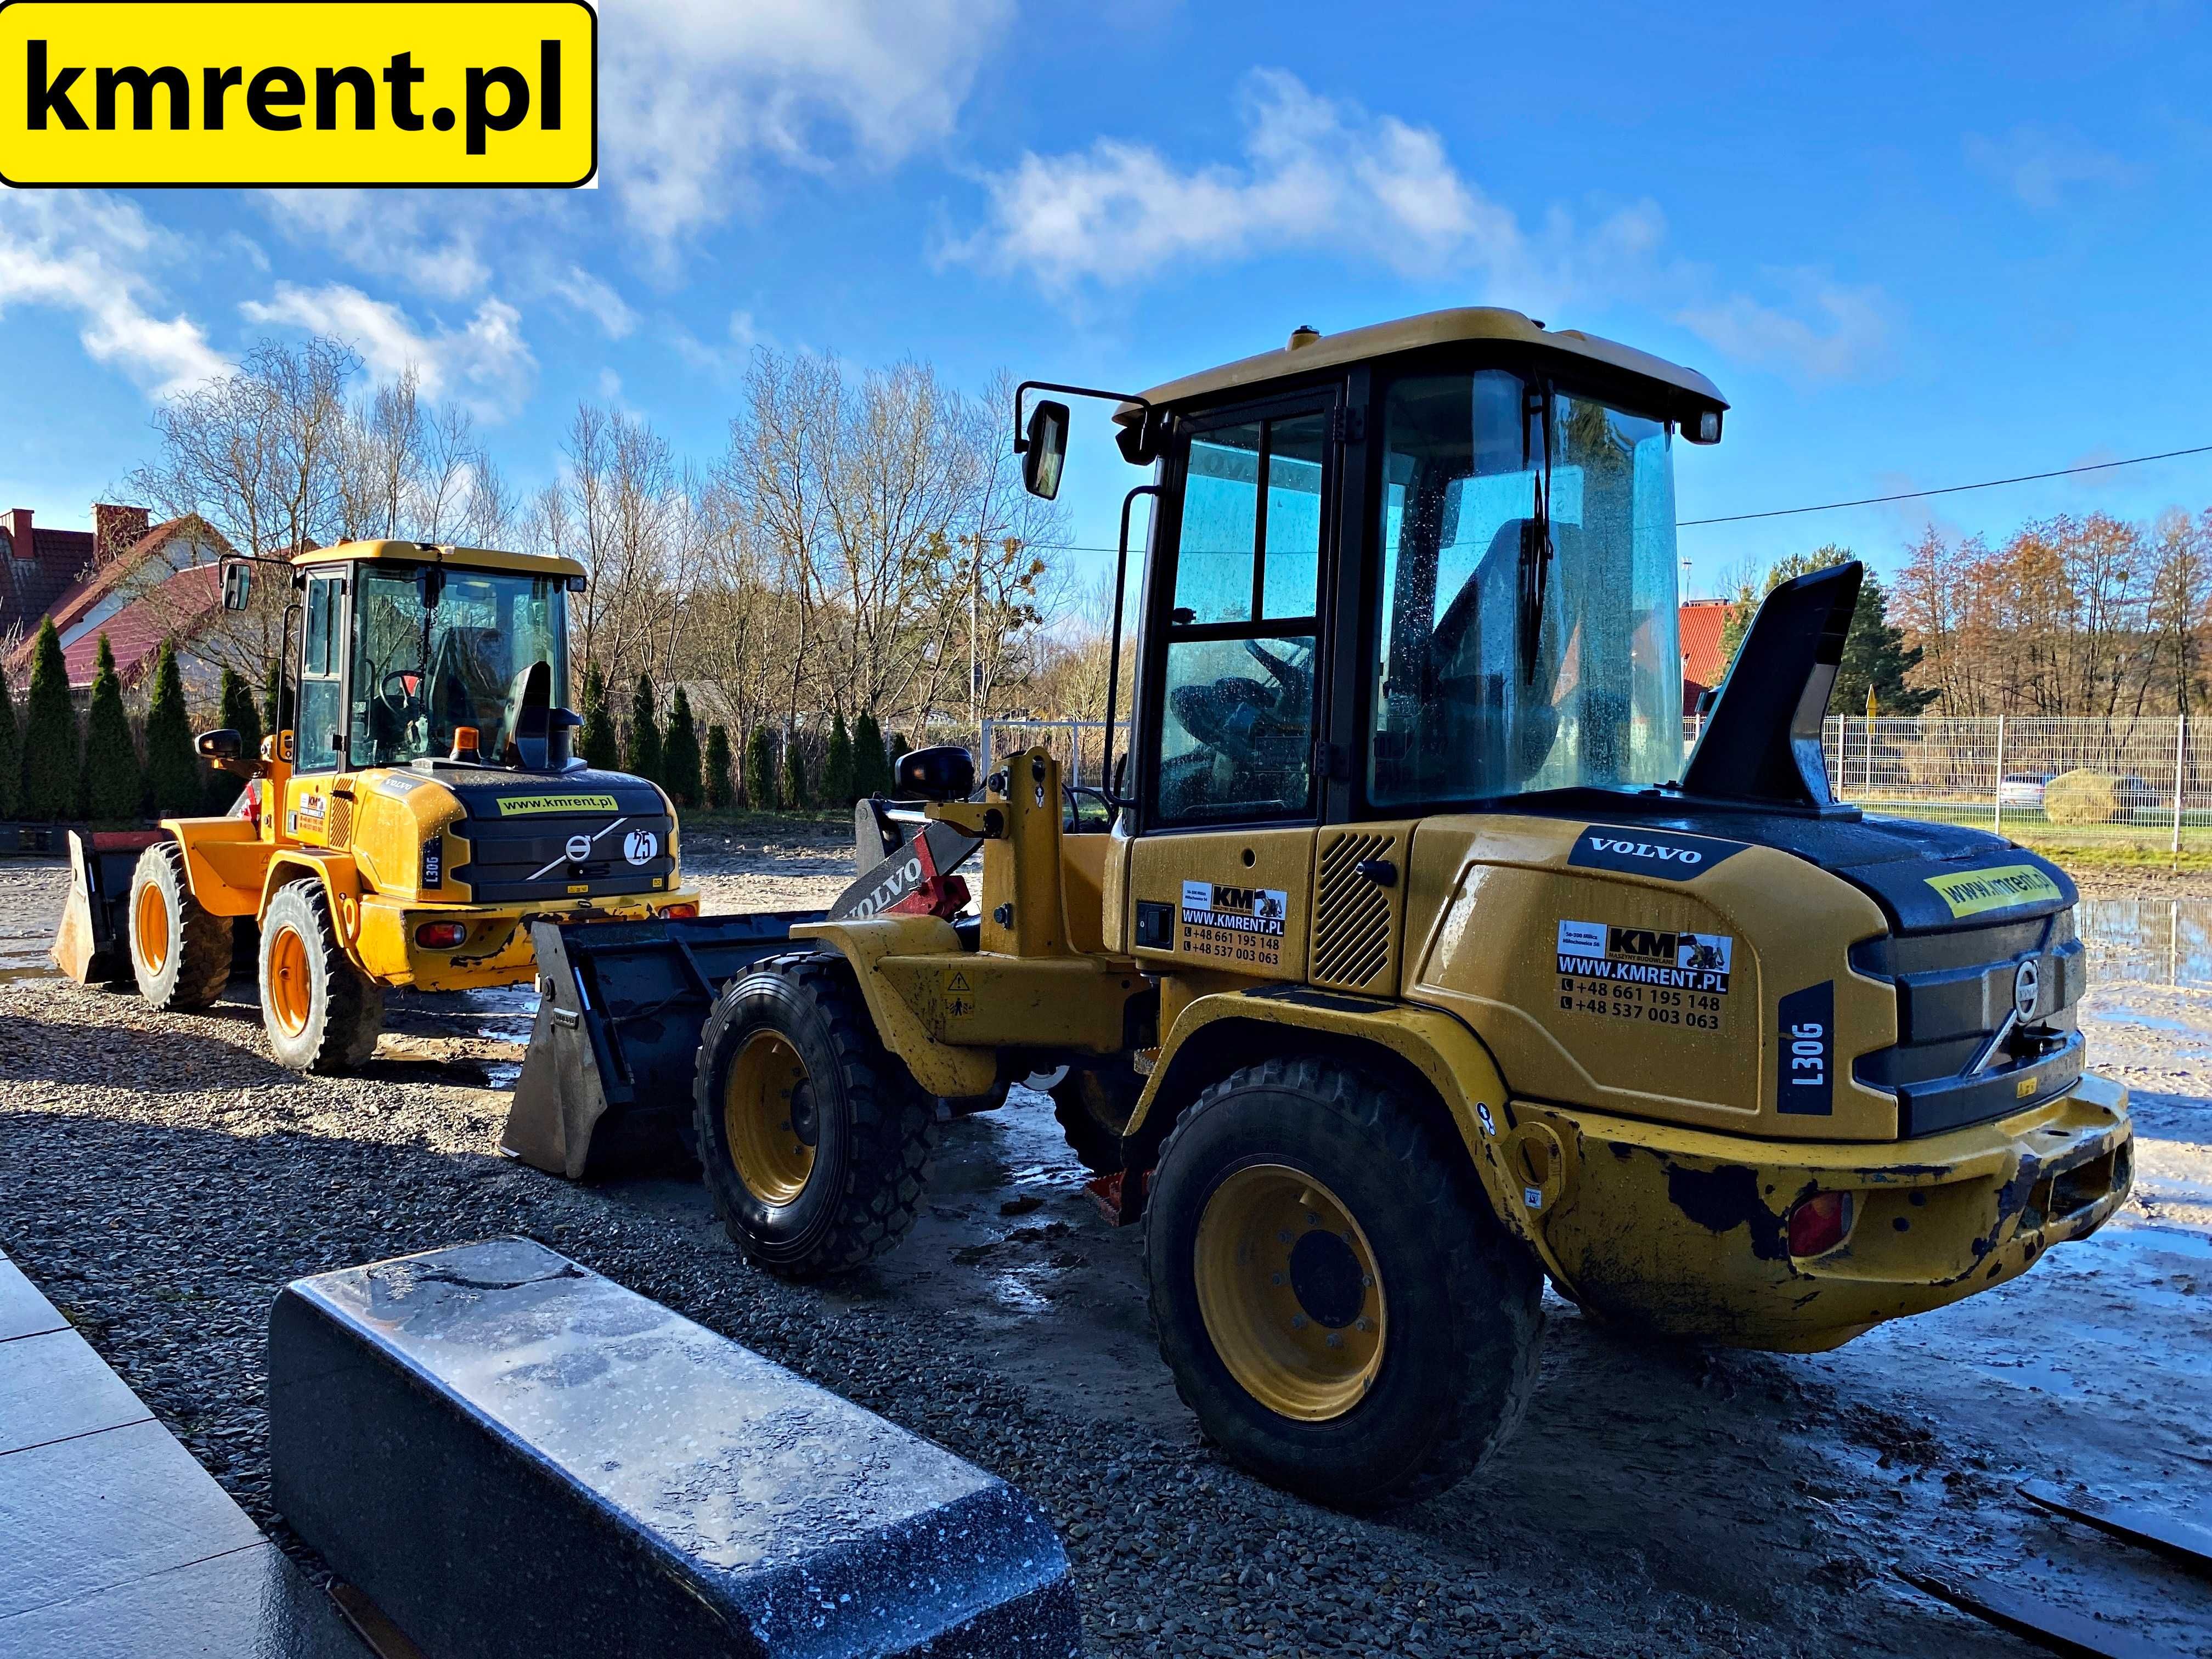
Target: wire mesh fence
[2144, 782]
[1079, 746]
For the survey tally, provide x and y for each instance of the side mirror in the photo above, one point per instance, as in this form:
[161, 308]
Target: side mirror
[946, 772]
[1045, 452]
[222, 745]
[237, 584]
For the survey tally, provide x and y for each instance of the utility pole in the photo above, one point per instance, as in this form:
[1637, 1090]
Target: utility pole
[975, 591]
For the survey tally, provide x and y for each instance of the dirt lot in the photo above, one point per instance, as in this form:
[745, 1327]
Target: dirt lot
[163, 1177]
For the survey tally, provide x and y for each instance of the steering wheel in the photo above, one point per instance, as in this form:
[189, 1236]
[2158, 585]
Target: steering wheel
[1246, 720]
[403, 702]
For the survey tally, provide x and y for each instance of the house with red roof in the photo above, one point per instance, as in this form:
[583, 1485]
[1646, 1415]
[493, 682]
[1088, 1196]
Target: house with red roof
[1703, 664]
[136, 582]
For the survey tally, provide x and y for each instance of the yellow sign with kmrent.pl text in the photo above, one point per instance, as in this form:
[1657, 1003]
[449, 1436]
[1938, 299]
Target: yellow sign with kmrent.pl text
[347, 92]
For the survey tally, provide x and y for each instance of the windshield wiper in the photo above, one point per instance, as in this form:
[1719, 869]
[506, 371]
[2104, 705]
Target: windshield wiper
[1536, 536]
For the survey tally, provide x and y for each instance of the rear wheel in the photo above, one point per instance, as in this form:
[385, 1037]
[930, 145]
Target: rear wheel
[1339, 1304]
[179, 954]
[322, 1013]
[1093, 1105]
[814, 1139]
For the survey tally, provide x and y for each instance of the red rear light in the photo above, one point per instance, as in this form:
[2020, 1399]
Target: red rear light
[441, 935]
[1819, 1224]
[681, 912]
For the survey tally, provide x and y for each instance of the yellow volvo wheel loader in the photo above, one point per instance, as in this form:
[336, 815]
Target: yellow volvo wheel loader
[423, 812]
[1419, 964]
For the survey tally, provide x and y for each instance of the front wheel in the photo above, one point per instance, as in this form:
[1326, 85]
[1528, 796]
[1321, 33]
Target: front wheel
[322, 1013]
[1337, 1300]
[814, 1139]
[179, 953]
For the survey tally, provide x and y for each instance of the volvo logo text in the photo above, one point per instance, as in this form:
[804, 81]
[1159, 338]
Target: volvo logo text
[2026, 983]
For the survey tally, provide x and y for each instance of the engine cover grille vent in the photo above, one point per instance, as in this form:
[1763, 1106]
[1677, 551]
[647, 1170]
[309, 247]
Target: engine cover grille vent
[341, 830]
[1355, 919]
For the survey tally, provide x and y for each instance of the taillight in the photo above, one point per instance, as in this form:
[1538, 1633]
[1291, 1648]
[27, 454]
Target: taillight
[681, 912]
[1819, 1224]
[441, 935]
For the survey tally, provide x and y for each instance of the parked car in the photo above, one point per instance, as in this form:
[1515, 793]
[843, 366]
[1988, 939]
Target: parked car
[2023, 789]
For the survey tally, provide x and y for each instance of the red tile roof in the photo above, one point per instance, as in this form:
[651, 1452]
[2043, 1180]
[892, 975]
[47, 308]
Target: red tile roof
[29, 587]
[72, 596]
[177, 607]
[1702, 621]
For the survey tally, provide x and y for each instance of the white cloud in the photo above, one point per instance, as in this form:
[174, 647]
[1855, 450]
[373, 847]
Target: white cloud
[2039, 165]
[92, 254]
[424, 242]
[695, 91]
[1315, 172]
[725, 358]
[1846, 334]
[484, 365]
[595, 298]
[1325, 175]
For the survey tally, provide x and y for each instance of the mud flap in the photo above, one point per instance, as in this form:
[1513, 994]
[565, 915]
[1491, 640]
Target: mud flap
[93, 944]
[514, 1458]
[607, 1081]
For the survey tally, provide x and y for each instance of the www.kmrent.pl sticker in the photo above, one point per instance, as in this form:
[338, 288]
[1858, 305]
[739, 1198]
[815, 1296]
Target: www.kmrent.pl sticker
[352, 91]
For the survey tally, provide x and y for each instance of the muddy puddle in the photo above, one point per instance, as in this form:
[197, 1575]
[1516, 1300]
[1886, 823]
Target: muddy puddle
[2147, 941]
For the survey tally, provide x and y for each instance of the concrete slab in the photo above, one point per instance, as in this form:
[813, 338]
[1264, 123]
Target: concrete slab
[114, 1542]
[512, 1456]
[78, 1515]
[53, 1387]
[23, 1311]
[250, 1604]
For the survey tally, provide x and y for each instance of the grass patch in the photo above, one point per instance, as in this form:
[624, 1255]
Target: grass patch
[2076, 853]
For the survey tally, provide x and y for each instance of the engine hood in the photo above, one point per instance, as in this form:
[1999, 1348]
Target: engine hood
[533, 836]
[495, 794]
[1925, 877]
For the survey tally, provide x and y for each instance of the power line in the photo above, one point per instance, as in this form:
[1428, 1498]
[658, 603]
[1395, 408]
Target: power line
[1948, 489]
[1831, 506]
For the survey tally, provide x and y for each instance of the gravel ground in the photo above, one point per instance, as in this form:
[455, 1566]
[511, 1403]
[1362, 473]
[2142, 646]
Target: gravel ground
[164, 1177]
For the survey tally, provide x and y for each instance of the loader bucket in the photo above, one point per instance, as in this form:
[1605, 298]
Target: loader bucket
[606, 1080]
[93, 944]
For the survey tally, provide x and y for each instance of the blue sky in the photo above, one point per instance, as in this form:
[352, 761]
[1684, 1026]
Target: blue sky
[1916, 246]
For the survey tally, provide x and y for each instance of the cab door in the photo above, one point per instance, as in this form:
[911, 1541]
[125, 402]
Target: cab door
[318, 739]
[1221, 875]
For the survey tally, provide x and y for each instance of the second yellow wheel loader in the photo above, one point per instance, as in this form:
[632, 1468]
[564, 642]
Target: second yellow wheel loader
[1419, 965]
[425, 808]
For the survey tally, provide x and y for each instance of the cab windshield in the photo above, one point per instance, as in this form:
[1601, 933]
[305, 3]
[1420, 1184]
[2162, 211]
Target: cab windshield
[1527, 631]
[422, 669]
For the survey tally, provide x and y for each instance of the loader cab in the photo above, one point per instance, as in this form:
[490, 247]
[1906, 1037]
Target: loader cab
[1422, 567]
[1406, 569]
[406, 650]
[1410, 580]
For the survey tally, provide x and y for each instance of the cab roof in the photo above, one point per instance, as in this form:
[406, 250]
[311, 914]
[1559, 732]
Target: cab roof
[464, 558]
[1431, 328]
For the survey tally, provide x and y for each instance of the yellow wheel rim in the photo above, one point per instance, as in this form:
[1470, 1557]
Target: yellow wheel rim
[151, 917]
[1288, 1290]
[767, 1115]
[291, 993]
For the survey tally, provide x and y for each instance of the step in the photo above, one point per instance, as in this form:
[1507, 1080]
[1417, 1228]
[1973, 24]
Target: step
[512, 1456]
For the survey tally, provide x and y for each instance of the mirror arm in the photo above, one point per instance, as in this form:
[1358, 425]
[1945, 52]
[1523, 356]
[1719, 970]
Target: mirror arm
[1116, 802]
[1021, 433]
[284, 663]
